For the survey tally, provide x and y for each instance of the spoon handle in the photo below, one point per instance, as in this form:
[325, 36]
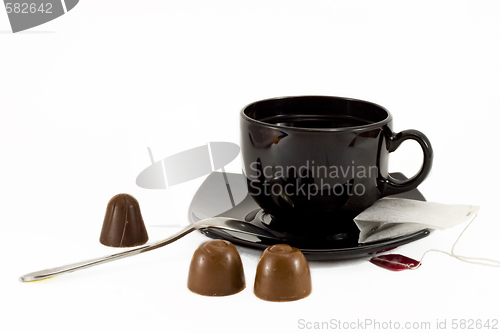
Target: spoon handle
[51, 272]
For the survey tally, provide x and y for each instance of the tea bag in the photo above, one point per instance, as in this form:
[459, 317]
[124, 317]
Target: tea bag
[394, 217]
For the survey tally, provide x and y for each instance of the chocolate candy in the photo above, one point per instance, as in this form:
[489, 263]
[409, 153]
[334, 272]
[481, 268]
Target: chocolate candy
[216, 269]
[123, 225]
[282, 274]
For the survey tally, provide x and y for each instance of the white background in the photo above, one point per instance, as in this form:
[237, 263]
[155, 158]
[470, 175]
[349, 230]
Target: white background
[82, 97]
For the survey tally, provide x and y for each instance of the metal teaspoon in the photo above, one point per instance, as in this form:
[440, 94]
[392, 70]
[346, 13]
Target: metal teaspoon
[222, 223]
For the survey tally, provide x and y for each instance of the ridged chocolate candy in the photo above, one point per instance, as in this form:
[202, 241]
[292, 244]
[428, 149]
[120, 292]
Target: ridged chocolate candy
[123, 225]
[216, 269]
[282, 274]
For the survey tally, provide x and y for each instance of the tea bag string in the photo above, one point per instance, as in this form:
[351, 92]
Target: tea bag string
[470, 260]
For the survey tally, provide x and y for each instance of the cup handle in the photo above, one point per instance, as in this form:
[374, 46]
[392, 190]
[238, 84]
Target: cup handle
[393, 186]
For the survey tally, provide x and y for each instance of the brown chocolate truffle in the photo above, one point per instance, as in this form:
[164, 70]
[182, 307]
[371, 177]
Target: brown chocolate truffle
[282, 274]
[123, 225]
[216, 269]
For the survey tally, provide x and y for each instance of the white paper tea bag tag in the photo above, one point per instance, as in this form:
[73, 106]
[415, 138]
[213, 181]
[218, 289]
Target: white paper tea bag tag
[393, 217]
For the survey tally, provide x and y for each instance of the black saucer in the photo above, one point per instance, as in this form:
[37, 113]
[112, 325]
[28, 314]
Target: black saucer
[225, 194]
